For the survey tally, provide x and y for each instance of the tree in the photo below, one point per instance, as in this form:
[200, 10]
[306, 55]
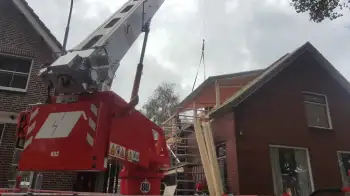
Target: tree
[321, 9]
[162, 103]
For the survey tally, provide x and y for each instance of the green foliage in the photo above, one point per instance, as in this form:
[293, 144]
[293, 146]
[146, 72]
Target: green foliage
[320, 10]
[162, 104]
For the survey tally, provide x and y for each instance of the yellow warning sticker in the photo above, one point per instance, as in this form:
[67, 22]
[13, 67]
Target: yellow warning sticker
[129, 155]
[116, 150]
[133, 156]
[112, 149]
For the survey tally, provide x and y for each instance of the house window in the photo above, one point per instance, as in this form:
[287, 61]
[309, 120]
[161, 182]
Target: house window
[344, 164]
[221, 156]
[2, 128]
[291, 171]
[14, 72]
[317, 112]
[27, 177]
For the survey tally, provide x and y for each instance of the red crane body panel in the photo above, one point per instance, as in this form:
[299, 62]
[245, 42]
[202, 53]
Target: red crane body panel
[134, 136]
[63, 137]
[81, 133]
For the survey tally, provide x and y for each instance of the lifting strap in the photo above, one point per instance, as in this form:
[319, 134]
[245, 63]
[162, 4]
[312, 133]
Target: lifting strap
[199, 65]
[202, 60]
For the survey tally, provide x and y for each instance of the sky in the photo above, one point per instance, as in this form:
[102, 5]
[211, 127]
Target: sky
[240, 35]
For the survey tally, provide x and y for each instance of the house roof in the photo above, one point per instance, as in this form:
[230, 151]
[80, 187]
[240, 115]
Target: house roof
[204, 94]
[272, 71]
[38, 25]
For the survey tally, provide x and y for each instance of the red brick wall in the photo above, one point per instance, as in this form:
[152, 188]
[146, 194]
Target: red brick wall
[6, 153]
[224, 131]
[275, 115]
[18, 37]
[59, 181]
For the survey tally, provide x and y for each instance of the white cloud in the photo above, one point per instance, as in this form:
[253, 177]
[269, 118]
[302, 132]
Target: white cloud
[231, 6]
[181, 7]
[240, 35]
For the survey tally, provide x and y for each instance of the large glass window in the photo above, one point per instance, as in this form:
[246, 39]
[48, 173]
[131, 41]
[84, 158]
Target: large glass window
[344, 164]
[291, 171]
[14, 72]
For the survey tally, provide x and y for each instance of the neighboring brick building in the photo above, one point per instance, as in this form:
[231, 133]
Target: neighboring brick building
[285, 129]
[25, 44]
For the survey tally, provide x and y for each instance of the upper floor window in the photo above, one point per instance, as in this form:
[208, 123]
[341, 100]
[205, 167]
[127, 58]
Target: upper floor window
[14, 72]
[317, 111]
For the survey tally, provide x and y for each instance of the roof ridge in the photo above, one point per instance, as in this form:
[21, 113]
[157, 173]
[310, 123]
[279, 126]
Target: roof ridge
[236, 74]
[23, 6]
[273, 70]
[210, 80]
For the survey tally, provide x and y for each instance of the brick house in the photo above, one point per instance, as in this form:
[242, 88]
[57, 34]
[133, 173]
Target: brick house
[280, 129]
[25, 44]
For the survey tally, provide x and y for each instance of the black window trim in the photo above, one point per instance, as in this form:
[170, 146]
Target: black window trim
[2, 132]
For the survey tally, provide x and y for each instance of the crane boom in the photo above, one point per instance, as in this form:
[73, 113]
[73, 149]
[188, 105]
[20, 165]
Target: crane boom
[91, 65]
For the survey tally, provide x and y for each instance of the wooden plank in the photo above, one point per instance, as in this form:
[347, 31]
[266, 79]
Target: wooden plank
[170, 118]
[174, 171]
[217, 93]
[210, 157]
[169, 190]
[204, 157]
[231, 86]
[213, 158]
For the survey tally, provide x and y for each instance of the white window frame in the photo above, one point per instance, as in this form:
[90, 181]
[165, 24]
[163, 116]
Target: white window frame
[338, 153]
[327, 108]
[307, 159]
[29, 73]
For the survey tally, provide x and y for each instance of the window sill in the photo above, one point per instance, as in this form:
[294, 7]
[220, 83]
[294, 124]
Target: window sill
[19, 90]
[320, 128]
[19, 149]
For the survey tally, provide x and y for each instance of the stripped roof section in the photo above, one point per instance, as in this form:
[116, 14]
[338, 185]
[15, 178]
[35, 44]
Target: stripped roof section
[273, 70]
[38, 25]
[211, 81]
[248, 75]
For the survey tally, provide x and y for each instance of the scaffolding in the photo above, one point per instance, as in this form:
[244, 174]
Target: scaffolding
[183, 143]
[186, 168]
